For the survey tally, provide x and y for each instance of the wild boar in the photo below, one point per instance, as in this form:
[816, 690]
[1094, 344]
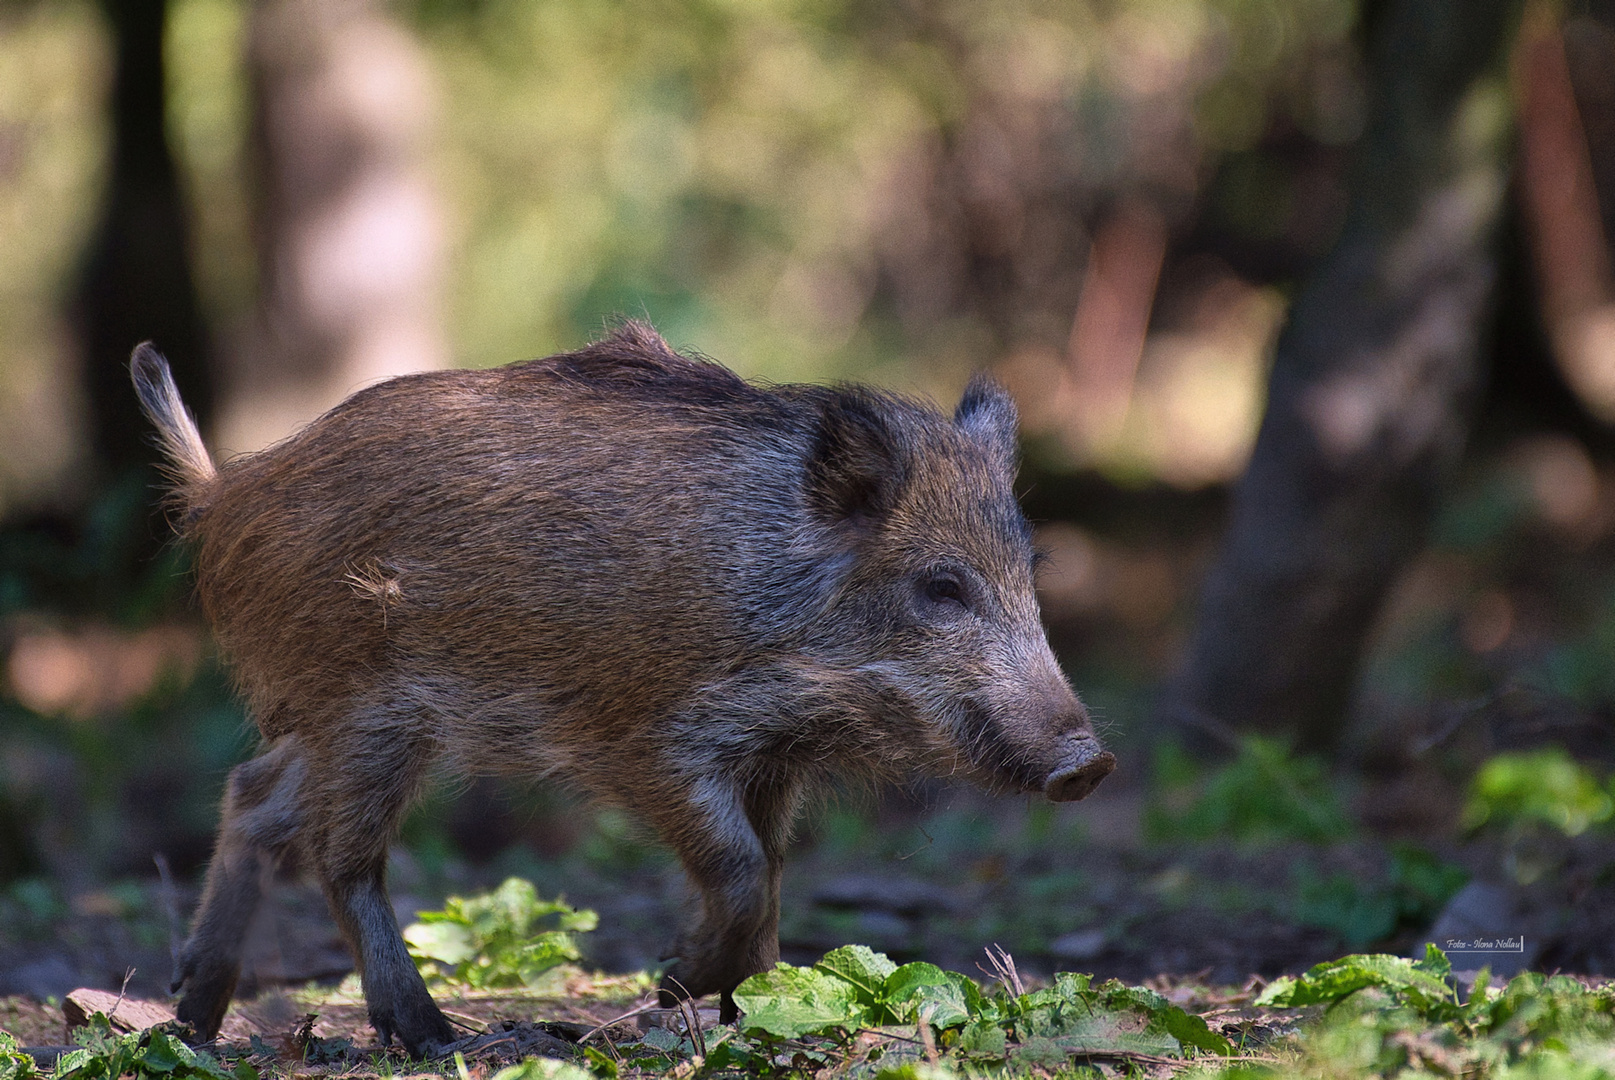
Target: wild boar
[691, 597]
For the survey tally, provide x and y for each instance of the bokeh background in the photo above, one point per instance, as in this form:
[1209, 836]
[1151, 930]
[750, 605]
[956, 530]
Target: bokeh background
[1132, 211]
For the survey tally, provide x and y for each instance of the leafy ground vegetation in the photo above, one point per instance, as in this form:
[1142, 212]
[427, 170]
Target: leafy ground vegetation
[856, 1013]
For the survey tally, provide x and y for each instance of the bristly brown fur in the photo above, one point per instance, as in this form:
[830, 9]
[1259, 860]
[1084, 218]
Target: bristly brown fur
[693, 597]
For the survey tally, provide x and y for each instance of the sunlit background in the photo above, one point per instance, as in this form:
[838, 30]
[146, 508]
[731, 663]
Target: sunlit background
[806, 191]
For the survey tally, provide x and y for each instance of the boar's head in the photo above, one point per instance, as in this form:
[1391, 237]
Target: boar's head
[938, 596]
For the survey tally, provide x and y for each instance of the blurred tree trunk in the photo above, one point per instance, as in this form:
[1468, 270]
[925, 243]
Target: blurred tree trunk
[348, 225]
[1372, 390]
[1590, 45]
[136, 280]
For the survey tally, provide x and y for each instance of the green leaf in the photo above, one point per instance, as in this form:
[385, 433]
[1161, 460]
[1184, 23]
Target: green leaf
[1188, 1029]
[916, 1070]
[445, 942]
[983, 1037]
[601, 1064]
[906, 982]
[80, 1063]
[1542, 787]
[921, 991]
[1435, 962]
[14, 1064]
[539, 1068]
[662, 1039]
[1334, 980]
[861, 966]
[1073, 985]
[151, 1053]
[579, 921]
[976, 1003]
[161, 1055]
[789, 1002]
[1191, 1030]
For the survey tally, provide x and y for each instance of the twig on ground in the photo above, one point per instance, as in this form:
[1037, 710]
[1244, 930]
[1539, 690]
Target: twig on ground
[128, 974]
[886, 1035]
[469, 1023]
[1003, 969]
[929, 1041]
[653, 1006]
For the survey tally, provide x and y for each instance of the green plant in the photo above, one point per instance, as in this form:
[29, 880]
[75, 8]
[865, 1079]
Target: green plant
[854, 988]
[1390, 1016]
[1265, 794]
[1536, 803]
[1535, 788]
[155, 1052]
[497, 939]
[1363, 912]
[14, 1064]
[537, 1068]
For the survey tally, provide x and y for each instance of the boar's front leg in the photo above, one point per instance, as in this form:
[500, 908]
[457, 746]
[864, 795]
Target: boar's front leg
[732, 844]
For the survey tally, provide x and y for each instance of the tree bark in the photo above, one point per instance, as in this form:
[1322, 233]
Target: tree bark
[349, 232]
[1372, 390]
[136, 282]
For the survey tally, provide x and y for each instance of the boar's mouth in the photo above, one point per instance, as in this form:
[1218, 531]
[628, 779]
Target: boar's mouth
[1080, 773]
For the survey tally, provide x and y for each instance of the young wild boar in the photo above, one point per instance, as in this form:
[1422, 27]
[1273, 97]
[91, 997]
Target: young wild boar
[691, 597]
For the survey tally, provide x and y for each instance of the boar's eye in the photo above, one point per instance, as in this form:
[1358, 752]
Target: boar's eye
[944, 587]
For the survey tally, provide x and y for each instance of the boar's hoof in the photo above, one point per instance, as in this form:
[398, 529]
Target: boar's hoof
[417, 1025]
[1079, 776]
[208, 989]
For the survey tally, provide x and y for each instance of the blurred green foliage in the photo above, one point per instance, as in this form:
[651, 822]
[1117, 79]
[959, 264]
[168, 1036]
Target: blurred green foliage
[90, 566]
[53, 148]
[1264, 795]
[85, 793]
[786, 184]
[537, 1068]
[1366, 910]
[1545, 787]
[1579, 666]
[1533, 804]
[104, 792]
[731, 170]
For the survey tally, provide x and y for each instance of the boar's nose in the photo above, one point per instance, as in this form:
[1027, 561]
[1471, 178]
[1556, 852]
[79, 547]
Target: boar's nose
[1080, 772]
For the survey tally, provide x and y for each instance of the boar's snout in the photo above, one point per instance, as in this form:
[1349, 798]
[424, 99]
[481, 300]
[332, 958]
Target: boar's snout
[1084, 766]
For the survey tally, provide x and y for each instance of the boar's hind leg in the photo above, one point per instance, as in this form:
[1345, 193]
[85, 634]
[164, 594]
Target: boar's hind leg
[732, 845]
[259, 822]
[363, 788]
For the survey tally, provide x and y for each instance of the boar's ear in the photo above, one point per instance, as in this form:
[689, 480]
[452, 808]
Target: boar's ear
[987, 414]
[857, 465]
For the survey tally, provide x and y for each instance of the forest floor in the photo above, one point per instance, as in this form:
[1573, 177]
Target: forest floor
[1103, 887]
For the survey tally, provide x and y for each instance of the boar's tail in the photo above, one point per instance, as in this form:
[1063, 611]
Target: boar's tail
[189, 462]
